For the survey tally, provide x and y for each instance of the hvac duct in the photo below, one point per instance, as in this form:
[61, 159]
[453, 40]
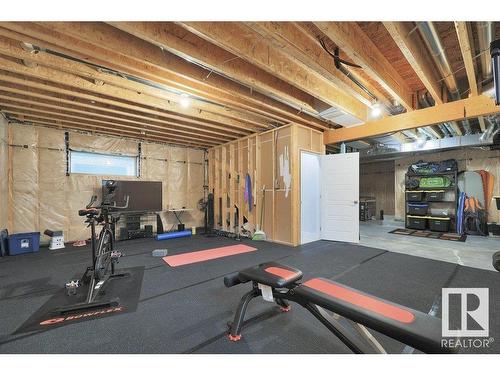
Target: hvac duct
[426, 101]
[472, 140]
[433, 42]
[485, 35]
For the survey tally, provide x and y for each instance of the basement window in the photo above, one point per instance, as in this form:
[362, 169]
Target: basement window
[102, 164]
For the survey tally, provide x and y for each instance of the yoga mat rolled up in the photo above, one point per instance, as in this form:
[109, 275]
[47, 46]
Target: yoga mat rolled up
[169, 235]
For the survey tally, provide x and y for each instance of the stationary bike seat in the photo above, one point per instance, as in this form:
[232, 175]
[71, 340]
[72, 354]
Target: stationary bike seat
[88, 212]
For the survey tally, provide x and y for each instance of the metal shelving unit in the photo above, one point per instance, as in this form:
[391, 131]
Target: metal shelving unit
[452, 203]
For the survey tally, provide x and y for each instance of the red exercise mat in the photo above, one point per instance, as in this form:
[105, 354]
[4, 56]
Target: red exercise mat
[203, 255]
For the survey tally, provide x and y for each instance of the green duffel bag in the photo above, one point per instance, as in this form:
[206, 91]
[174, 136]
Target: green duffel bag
[435, 182]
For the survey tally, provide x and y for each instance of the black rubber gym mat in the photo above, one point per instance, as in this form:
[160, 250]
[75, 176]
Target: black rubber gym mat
[125, 289]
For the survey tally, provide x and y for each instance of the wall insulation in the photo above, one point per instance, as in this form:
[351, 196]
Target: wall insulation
[4, 175]
[469, 159]
[42, 196]
[377, 180]
[271, 160]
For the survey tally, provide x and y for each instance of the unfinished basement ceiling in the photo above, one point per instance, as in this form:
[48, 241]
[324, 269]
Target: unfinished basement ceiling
[204, 84]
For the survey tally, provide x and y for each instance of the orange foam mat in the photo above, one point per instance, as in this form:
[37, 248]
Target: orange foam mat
[204, 255]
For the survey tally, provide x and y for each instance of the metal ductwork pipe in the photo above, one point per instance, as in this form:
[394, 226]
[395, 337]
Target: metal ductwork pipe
[433, 42]
[425, 101]
[410, 134]
[492, 130]
[426, 133]
[485, 35]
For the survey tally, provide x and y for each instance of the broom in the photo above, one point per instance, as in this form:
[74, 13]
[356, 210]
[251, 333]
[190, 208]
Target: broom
[259, 234]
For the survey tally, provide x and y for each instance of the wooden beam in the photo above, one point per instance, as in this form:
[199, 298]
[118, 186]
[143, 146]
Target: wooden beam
[351, 39]
[26, 92]
[149, 126]
[19, 108]
[416, 55]
[181, 42]
[117, 91]
[296, 41]
[480, 105]
[107, 46]
[244, 42]
[72, 125]
[467, 52]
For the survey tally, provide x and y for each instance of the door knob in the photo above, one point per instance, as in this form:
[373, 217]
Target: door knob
[355, 202]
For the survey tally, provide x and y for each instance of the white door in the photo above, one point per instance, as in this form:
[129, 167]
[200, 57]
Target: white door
[340, 197]
[310, 191]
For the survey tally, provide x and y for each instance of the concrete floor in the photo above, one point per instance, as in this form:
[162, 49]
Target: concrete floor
[475, 252]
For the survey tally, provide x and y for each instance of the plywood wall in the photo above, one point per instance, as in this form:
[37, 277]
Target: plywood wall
[3, 173]
[267, 158]
[377, 180]
[469, 159]
[42, 196]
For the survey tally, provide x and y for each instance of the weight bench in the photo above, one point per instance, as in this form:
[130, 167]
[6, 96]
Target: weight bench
[353, 311]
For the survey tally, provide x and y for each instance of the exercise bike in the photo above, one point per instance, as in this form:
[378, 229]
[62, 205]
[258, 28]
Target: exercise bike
[104, 257]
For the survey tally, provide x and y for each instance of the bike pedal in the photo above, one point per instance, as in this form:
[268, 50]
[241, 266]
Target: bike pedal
[116, 254]
[72, 286]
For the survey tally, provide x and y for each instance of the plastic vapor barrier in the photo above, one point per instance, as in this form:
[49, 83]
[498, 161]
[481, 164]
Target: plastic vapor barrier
[43, 197]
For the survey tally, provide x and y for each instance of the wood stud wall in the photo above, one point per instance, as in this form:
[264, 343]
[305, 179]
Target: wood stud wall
[259, 155]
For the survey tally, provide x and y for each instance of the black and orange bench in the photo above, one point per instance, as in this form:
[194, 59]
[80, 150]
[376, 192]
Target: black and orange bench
[353, 311]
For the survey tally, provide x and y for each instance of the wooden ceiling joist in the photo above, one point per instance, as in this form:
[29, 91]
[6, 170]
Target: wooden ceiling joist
[182, 43]
[13, 108]
[472, 107]
[107, 46]
[23, 90]
[242, 41]
[297, 42]
[150, 125]
[137, 136]
[129, 98]
[351, 39]
[417, 56]
[10, 45]
[467, 52]
[48, 115]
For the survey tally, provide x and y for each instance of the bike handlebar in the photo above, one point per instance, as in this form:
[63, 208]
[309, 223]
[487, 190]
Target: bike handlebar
[102, 205]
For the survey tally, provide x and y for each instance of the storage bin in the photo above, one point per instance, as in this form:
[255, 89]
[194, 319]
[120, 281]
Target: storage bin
[434, 196]
[494, 229]
[21, 243]
[419, 209]
[414, 196]
[440, 212]
[439, 225]
[416, 222]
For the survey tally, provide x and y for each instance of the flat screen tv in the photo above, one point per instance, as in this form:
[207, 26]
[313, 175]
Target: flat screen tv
[144, 196]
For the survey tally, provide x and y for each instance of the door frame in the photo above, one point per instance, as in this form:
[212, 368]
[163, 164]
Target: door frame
[299, 224]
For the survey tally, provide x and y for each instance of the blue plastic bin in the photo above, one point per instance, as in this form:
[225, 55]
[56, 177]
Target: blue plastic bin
[21, 243]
